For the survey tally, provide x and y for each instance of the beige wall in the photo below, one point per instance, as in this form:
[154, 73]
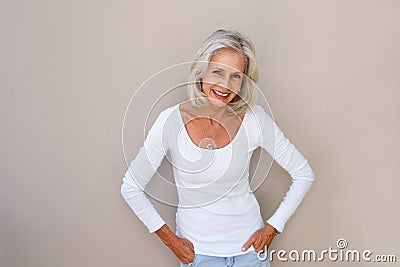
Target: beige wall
[330, 70]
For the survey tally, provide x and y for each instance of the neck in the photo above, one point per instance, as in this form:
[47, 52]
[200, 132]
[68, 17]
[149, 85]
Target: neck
[216, 112]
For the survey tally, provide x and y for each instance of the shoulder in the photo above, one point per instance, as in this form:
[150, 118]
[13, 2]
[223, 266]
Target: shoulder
[167, 113]
[258, 114]
[261, 127]
[163, 119]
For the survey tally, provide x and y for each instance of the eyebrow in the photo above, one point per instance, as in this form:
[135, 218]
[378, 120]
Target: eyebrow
[236, 72]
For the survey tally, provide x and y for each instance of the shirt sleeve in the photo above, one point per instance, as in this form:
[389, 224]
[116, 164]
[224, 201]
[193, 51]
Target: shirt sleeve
[140, 172]
[288, 157]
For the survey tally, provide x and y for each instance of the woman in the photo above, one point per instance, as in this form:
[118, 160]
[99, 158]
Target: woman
[211, 138]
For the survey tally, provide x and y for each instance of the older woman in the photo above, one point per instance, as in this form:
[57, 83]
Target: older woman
[211, 138]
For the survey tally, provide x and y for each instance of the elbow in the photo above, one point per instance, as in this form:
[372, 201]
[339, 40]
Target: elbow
[310, 176]
[130, 189]
[124, 190]
[304, 173]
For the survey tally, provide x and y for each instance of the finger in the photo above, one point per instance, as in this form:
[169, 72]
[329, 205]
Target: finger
[257, 241]
[192, 258]
[261, 248]
[258, 247]
[248, 243]
[186, 257]
[189, 245]
[189, 258]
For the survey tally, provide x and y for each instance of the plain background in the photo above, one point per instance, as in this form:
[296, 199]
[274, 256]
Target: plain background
[330, 70]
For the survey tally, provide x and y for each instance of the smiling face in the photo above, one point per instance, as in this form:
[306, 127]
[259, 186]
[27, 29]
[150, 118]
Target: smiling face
[223, 78]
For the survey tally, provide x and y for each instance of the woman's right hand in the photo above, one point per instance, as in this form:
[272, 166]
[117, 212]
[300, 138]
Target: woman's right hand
[181, 247]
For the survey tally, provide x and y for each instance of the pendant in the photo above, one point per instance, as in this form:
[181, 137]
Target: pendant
[207, 143]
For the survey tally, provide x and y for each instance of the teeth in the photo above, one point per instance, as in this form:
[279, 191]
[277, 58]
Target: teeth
[221, 94]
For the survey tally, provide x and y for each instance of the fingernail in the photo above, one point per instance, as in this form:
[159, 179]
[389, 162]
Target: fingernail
[243, 249]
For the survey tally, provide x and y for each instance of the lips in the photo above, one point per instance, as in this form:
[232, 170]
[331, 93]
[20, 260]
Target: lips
[219, 94]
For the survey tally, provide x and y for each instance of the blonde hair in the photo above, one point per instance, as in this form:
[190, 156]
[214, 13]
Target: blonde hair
[225, 39]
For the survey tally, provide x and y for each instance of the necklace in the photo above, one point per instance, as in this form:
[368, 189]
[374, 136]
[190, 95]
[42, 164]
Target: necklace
[208, 142]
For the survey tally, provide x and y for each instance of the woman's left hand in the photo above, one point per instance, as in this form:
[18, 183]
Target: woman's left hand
[261, 239]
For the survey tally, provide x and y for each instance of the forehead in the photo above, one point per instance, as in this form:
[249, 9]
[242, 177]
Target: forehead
[228, 59]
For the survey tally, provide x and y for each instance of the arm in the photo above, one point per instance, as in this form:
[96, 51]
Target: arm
[273, 140]
[138, 175]
[288, 157]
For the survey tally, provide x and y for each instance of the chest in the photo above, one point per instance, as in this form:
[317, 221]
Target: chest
[219, 133]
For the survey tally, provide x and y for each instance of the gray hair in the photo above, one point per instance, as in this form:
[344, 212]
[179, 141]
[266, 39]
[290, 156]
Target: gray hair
[218, 40]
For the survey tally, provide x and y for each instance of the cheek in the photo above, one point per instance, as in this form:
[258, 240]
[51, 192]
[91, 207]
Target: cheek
[232, 96]
[206, 87]
[209, 80]
[235, 86]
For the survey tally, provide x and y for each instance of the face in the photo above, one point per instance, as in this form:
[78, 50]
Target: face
[224, 76]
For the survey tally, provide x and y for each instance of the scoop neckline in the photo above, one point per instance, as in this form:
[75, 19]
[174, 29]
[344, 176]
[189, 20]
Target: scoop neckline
[206, 149]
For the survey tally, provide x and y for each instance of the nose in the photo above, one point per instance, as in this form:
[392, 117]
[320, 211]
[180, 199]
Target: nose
[224, 82]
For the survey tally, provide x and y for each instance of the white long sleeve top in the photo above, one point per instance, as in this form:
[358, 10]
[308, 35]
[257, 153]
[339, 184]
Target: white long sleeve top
[217, 209]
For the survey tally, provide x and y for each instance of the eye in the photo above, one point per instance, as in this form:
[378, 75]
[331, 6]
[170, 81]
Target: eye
[217, 72]
[236, 76]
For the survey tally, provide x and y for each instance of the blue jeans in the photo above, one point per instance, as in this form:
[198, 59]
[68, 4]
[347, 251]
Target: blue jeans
[249, 259]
